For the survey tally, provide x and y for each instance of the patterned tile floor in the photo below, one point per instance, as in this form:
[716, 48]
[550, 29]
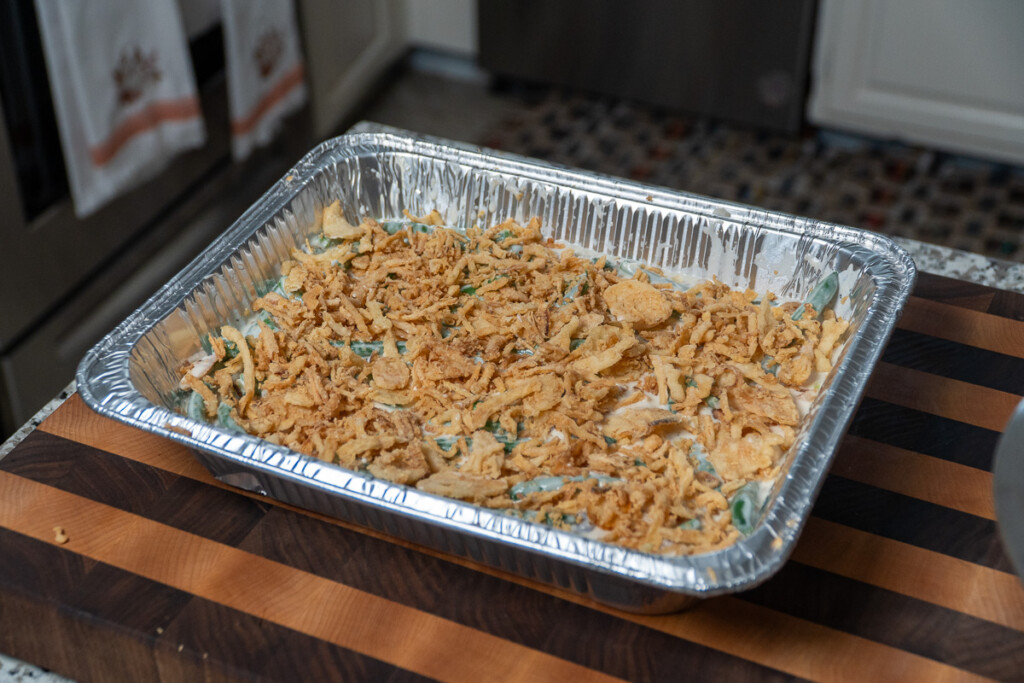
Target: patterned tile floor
[901, 190]
[892, 188]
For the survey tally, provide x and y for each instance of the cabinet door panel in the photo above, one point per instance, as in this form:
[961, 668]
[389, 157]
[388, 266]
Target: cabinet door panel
[348, 46]
[939, 72]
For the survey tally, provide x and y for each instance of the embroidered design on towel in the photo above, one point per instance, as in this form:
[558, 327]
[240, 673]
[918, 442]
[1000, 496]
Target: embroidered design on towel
[265, 69]
[135, 72]
[268, 52]
[124, 92]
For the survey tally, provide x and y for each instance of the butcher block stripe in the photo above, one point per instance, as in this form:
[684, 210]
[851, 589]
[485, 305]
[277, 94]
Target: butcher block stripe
[963, 488]
[955, 584]
[911, 521]
[971, 524]
[971, 328]
[150, 643]
[899, 573]
[954, 399]
[367, 624]
[924, 433]
[285, 525]
[953, 292]
[268, 590]
[955, 361]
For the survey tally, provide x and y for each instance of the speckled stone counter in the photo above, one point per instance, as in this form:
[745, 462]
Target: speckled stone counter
[962, 265]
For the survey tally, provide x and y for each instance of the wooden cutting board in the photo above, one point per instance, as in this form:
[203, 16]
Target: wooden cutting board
[167, 574]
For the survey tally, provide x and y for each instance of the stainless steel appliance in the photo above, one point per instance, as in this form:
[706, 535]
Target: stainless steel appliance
[742, 61]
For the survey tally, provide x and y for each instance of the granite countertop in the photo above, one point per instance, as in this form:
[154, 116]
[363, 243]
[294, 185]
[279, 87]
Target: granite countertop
[962, 265]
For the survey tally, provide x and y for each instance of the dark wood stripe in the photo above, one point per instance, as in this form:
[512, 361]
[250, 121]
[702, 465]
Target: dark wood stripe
[918, 573]
[291, 598]
[259, 649]
[925, 433]
[954, 292]
[896, 469]
[957, 361]
[371, 565]
[956, 400]
[912, 521]
[215, 513]
[894, 619]
[145, 630]
[1008, 305]
[767, 637]
[972, 328]
[483, 601]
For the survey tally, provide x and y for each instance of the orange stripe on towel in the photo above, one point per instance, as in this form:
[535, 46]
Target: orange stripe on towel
[147, 119]
[288, 81]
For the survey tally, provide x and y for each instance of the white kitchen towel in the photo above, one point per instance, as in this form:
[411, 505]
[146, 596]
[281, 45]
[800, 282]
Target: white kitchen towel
[123, 90]
[265, 69]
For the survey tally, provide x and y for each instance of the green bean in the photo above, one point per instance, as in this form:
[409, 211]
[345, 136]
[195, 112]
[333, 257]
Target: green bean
[703, 464]
[268, 286]
[769, 365]
[365, 349]
[225, 420]
[712, 402]
[575, 344]
[268, 321]
[395, 227]
[575, 287]
[468, 289]
[321, 243]
[690, 524]
[540, 484]
[745, 508]
[196, 408]
[546, 484]
[820, 296]
[629, 268]
[505, 438]
[446, 442]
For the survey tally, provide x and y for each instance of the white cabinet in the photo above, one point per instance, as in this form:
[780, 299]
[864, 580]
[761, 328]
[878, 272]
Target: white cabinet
[349, 45]
[946, 73]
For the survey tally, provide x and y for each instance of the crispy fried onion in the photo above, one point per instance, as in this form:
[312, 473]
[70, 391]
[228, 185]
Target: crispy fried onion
[497, 366]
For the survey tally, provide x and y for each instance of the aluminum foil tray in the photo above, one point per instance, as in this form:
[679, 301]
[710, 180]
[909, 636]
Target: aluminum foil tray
[131, 375]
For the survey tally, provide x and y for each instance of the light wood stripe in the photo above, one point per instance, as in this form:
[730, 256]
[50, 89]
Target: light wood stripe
[371, 625]
[949, 398]
[298, 600]
[915, 572]
[751, 632]
[964, 326]
[802, 648]
[895, 469]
